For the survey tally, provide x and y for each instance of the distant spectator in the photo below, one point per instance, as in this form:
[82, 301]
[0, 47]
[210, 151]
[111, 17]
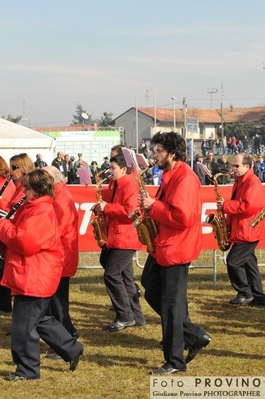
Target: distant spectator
[257, 164]
[197, 170]
[157, 175]
[68, 169]
[77, 164]
[105, 166]
[210, 143]
[234, 148]
[39, 163]
[224, 167]
[204, 148]
[142, 147]
[245, 144]
[240, 146]
[94, 169]
[58, 161]
[259, 168]
[257, 142]
[211, 164]
[224, 143]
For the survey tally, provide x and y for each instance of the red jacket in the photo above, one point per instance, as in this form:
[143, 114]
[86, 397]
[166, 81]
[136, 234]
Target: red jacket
[178, 213]
[248, 202]
[67, 217]
[34, 256]
[121, 233]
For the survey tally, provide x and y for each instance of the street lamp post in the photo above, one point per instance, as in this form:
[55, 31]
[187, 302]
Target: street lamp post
[174, 111]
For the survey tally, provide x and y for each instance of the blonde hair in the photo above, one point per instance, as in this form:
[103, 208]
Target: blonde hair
[24, 162]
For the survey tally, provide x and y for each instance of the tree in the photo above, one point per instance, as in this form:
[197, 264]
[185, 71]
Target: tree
[11, 119]
[240, 130]
[105, 120]
[81, 116]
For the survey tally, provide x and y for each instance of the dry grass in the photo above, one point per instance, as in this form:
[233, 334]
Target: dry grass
[116, 365]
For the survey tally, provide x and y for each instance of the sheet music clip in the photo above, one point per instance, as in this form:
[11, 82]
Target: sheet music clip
[205, 170]
[130, 158]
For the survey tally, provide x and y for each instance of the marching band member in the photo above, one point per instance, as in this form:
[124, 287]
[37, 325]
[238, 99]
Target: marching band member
[33, 268]
[19, 165]
[67, 218]
[122, 242]
[177, 209]
[246, 201]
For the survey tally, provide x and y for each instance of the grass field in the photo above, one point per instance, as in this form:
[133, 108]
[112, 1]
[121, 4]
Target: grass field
[116, 365]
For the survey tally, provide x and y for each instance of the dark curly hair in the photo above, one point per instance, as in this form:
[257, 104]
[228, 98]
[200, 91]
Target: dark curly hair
[173, 143]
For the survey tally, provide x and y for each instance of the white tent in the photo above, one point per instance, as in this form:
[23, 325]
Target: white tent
[16, 139]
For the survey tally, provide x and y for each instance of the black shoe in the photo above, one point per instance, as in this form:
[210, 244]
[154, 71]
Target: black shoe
[201, 343]
[167, 369]
[118, 325]
[75, 361]
[257, 302]
[53, 356]
[241, 300]
[14, 377]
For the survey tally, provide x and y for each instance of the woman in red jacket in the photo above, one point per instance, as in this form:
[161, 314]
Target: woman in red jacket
[7, 189]
[33, 268]
[19, 165]
[117, 260]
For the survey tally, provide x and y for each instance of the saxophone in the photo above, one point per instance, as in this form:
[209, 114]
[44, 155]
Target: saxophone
[218, 221]
[258, 218]
[98, 222]
[146, 227]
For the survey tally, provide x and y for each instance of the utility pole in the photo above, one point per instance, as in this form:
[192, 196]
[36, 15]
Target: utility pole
[211, 92]
[222, 129]
[184, 110]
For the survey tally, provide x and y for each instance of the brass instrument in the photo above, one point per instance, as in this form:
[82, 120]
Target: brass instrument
[146, 227]
[218, 221]
[99, 223]
[258, 218]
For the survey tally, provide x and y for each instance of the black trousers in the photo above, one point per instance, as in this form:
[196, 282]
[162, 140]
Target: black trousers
[5, 299]
[59, 305]
[243, 271]
[29, 324]
[166, 293]
[118, 277]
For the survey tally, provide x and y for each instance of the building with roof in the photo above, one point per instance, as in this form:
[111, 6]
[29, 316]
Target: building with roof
[142, 123]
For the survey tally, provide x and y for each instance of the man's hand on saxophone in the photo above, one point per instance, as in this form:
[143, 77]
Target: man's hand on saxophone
[100, 206]
[146, 202]
[220, 204]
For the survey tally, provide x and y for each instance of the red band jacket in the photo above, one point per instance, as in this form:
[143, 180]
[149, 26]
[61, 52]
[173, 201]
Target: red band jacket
[248, 200]
[121, 233]
[67, 217]
[178, 213]
[34, 256]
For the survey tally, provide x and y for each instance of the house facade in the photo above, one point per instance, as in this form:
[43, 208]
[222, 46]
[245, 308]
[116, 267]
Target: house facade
[142, 123]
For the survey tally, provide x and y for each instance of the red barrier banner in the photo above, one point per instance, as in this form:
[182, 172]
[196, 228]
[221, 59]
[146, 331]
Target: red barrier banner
[85, 197]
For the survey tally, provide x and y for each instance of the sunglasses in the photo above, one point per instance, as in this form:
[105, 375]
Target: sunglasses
[237, 166]
[14, 167]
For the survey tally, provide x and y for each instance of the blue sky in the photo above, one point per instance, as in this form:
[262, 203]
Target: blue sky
[108, 55]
